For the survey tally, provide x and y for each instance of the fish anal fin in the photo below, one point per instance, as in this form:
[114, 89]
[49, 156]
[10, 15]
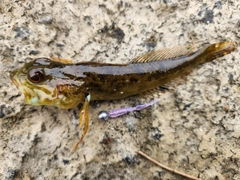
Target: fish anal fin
[154, 93]
[168, 87]
[178, 81]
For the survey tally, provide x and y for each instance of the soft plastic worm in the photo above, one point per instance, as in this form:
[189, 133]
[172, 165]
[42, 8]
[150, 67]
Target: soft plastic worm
[104, 115]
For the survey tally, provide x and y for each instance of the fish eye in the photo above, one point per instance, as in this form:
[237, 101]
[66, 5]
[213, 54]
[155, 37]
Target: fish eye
[36, 75]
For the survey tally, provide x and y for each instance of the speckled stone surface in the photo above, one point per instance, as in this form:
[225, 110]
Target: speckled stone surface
[194, 129]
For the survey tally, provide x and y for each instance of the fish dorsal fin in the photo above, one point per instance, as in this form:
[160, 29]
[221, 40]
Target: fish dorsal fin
[166, 53]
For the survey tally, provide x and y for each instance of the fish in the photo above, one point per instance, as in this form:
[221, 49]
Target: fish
[58, 82]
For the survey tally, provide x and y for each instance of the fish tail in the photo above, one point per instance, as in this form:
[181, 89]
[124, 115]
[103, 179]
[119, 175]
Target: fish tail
[218, 50]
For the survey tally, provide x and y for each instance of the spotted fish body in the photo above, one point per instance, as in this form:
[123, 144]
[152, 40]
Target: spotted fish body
[65, 85]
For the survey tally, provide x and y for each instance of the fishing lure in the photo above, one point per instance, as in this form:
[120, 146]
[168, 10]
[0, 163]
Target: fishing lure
[104, 115]
[59, 83]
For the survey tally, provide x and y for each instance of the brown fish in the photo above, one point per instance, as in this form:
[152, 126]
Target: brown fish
[65, 85]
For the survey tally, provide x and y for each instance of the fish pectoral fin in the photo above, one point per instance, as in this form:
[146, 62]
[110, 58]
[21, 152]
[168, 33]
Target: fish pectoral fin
[166, 53]
[81, 116]
[62, 60]
[84, 118]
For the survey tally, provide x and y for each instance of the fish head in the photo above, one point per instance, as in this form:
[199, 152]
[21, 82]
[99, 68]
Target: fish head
[43, 82]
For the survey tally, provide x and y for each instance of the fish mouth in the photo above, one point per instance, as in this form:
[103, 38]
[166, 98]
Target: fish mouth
[14, 78]
[30, 96]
